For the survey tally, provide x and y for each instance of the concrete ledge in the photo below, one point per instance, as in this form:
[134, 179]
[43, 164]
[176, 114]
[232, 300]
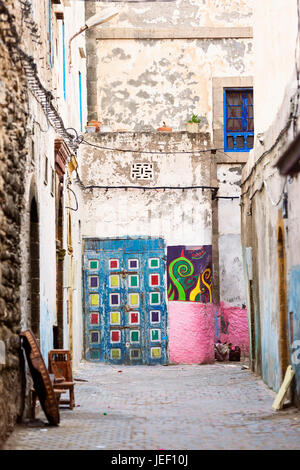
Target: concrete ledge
[175, 33]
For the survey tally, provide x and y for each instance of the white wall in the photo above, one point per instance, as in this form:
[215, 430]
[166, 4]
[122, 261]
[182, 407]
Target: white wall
[180, 217]
[275, 25]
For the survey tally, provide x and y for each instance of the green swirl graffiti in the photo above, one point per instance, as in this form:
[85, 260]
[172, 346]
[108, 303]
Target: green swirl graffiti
[180, 268]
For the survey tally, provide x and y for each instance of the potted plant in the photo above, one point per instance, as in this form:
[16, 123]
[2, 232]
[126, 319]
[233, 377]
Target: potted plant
[164, 128]
[193, 124]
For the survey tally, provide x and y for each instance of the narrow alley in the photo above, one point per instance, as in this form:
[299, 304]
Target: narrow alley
[149, 225]
[179, 407]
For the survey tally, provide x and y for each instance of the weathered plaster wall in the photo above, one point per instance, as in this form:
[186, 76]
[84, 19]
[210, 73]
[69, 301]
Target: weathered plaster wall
[273, 308]
[176, 215]
[279, 68]
[52, 73]
[153, 64]
[191, 332]
[232, 314]
[146, 82]
[293, 281]
[185, 13]
[265, 265]
[156, 63]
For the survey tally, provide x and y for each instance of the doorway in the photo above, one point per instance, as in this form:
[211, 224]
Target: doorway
[34, 268]
[124, 301]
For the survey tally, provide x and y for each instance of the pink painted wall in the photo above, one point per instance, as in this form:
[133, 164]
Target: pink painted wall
[192, 331]
[233, 326]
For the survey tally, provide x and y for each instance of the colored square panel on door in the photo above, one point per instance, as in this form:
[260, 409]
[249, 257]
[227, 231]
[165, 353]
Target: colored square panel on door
[133, 281]
[134, 300]
[114, 264]
[114, 300]
[133, 264]
[115, 336]
[115, 353]
[94, 337]
[115, 318]
[94, 300]
[114, 281]
[154, 263]
[134, 318]
[95, 354]
[135, 354]
[154, 316]
[94, 318]
[94, 281]
[135, 336]
[154, 280]
[154, 298]
[155, 335]
[155, 353]
[93, 264]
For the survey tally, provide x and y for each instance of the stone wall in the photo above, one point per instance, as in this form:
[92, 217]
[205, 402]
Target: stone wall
[13, 103]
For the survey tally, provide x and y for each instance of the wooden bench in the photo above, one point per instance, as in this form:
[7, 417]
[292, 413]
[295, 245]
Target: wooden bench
[59, 364]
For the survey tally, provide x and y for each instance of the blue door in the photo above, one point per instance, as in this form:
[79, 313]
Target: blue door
[124, 301]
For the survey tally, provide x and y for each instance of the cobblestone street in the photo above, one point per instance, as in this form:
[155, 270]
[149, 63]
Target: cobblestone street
[214, 407]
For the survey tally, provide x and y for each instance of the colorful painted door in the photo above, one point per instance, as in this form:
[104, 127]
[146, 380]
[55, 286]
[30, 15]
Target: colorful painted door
[124, 301]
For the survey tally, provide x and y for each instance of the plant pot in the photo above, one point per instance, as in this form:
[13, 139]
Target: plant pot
[95, 124]
[192, 127]
[164, 129]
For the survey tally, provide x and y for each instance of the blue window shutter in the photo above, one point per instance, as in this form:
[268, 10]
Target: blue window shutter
[238, 119]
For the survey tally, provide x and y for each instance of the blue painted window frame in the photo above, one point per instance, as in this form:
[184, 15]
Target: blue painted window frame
[244, 133]
[80, 101]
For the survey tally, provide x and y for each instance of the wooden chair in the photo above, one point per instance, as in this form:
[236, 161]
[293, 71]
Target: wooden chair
[59, 364]
[34, 398]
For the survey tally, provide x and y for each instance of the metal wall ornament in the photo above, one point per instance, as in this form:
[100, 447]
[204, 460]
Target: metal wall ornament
[41, 379]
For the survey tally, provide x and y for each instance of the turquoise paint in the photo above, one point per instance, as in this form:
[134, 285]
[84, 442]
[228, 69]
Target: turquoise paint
[294, 323]
[46, 332]
[269, 342]
[217, 324]
[64, 60]
[50, 34]
[80, 103]
[115, 299]
[255, 356]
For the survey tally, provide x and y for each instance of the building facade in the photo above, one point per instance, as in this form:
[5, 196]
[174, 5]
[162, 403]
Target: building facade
[270, 206]
[153, 67]
[42, 102]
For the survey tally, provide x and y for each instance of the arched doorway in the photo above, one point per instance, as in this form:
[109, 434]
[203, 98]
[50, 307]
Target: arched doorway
[282, 291]
[34, 269]
[60, 253]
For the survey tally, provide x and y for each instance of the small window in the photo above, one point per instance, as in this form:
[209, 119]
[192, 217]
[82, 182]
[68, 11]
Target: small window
[238, 120]
[46, 170]
[52, 182]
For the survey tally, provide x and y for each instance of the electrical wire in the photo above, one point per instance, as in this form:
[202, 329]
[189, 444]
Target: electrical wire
[151, 152]
[281, 193]
[214, 189]
[71, 208]
[115, 149]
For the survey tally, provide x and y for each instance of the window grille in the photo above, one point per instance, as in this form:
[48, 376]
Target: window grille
[238, 120]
